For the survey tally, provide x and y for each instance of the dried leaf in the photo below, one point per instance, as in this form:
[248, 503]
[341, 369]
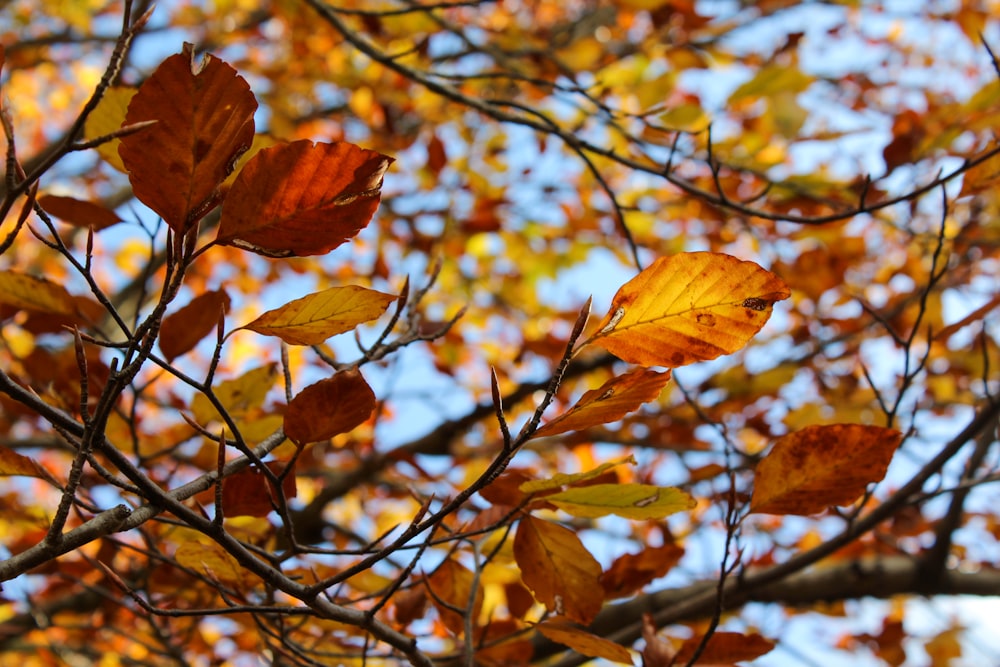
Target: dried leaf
[329, 407]
[725, 648]
[658, 652]
[558, 569]
[451, 587]
[689, 307]
[22, 291]
[629, 501]
[819, 466]
[314, 318]
[583, 642]
[204, 115]
[181, 331]
[302, 198]
[630, 572]
[610, 402]
[250, 493]
[78, 212]
[17, 465]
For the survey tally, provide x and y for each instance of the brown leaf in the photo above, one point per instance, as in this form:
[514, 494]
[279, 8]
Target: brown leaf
[14, 464]
[250, 493]
[725, 648]
[658, 652]
[204, 113]
[328, 407]
[610, 402]
[558, 569]
[78, 212]
[583, 642]
[630, 572]
[451, 591]
[25, 292]
[302, 198]
[181, 331]
[819, 466]
[689, 307]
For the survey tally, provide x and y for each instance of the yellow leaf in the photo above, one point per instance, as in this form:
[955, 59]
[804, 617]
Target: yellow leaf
[560, 480]
[107, 118]
[213, 560]
[819, 466]
[686, 118]
[689, 307]
[558, 569]
[610, 402]
[238, 395]
[23, 291]
[629, 501]
[314, 318]
[584, 642]
[772, 80]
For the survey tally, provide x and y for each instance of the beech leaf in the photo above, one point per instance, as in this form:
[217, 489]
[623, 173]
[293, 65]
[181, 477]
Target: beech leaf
[18, 465]
[329, 407]
[724, 648]
[560, 480]
[211, 559]
[314, 318]
[608, 403]
[689, 307]
[451, 586]
[630, 572]
[820, 466]
[79, 212]
[558, 569]
[302, 198]
[250, 493]
[629, 501]
[21, 291]
[181, 331]
[237, 395]
[106, 118]
[583, 642]
[204, 115]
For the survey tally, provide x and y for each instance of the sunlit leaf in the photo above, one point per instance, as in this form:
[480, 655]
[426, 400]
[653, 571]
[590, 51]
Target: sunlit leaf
[14, 464]
[687, 308]
[610, 402]
[629, 501]
[725, 648]
[237, 395]
[302, 198]
[583, 642]
[558, 569]
[314, 318]
[204, 113]
[819, 466]
[181, 331]
[211, 559]
[452, 586]
[78, 212]
[250, 493]
[560, 480]
[107, 118]
[22, 291]
[329, 407]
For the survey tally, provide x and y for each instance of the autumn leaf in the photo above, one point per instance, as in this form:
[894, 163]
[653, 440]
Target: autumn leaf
[558, 569]
[819, 466]
[610, 402]
[452, 587]
[329, 407]
[560, 480]
[630, 572]
[78, 212]
[211, 559]
[14, 464]
[107, 118]
[22, 291]
[237, 395]
[211, 108]
[629, 501]
[689, 307]
[724, 648]
[250, 493]
[302, 198]
[583, 642]
[314, 318]
[180, 332]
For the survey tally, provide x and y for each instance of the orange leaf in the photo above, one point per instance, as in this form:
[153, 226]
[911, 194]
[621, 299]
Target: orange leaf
[182, 330]
[630, 572]
[204, 113]
[583, 642]
[26, 292]
[211, 559]
[78, 212]
[819, 466]
[302, 198]
[658, 652]
[14, 464]
[610, 402]
[689, 307]
[331, 406]
[724, 648]
[250, 493]
[558, 569]
[451, 588]
[314, 318]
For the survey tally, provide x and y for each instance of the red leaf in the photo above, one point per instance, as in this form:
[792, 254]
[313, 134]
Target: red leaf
[181, 331]
[204, 117]
[331, 406]
[250, 493]
[302, 198]
[78, 212]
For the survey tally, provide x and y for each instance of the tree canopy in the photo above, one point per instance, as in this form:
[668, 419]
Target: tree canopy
[498, 333]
